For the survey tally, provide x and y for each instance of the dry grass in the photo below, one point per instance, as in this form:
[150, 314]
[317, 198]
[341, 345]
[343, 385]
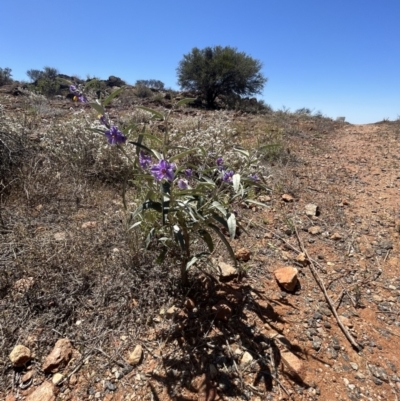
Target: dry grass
[70, 269]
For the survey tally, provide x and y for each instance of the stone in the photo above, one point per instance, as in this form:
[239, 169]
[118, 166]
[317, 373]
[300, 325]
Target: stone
[136, 355]
[243, 255]
[287, 277]
[189, 303]
[266, 198]
[57, 378]
[246, 359]
[10, 397]
[89, 224]
[45, 392]
[20, 355]
[171, 312]
[227, 271]
[312, 210]
[60, 236]
[287, 198]
[293, 363]
[222, 311]
[302, 259]
[22, 285]
[58, 357]
[336, 236]
[314, 230]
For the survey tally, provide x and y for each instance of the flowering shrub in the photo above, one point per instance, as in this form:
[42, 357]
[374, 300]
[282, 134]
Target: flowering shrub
[193, 188]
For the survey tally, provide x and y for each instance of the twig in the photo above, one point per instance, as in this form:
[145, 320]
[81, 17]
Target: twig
[319, 281]
[77, 367]
[293, 248]
[123, 365]
[339, 298]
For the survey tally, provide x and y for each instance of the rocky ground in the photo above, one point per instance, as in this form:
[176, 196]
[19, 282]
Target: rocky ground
[316, 316]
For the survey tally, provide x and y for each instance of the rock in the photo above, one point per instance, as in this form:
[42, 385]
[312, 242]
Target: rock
[287, 277]
[266, 198]
[172, 311]
[314, 230]
[227, 271]
[222, 310]
[378, 372]
[246, 359]
[243, 255]
[302, 259]
[189, 303]
[10, 397]
[20, 355]
[60, 236]
[354, 366]
[45, 392]
[58, 357]
[287, 198]
[136, 355]
[22, 285]
[57, 378]
[312, 210]
[336, 236]
[89, 224]
[292, 363]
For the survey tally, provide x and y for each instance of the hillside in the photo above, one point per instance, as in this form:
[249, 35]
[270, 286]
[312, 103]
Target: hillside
[71, 270]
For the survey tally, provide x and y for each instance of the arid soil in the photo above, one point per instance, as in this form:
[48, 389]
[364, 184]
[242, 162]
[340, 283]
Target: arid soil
[227, 338]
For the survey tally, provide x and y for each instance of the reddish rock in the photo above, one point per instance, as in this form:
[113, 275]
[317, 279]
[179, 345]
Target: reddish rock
[222, 311]
[10, 397]
[45, 392]
[20, 355]
[227, 271]
[292, 363]
[243, 254]
[314, 230]
[286, 277]
[59, 356]
[302, 259]
[287, 198]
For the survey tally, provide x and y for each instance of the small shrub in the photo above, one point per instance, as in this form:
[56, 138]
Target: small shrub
[143, 92]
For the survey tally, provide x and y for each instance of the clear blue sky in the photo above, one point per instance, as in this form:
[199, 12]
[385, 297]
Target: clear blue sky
[341, 57]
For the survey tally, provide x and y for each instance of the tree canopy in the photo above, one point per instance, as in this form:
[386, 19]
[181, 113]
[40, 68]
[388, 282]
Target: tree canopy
[215, 71]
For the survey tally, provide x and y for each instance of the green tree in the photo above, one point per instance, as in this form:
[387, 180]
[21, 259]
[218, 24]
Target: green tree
[218, 70]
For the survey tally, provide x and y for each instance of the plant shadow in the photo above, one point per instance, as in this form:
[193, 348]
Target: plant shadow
[222, 352]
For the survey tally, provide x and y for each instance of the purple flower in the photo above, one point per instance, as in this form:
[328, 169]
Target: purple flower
[115, 136]
[144, 160]
[219, 164]
[163, 170]
[227, 177]
[188, 172]
[254, 177]
[78, 95]
[182, 184]
[82, 98]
